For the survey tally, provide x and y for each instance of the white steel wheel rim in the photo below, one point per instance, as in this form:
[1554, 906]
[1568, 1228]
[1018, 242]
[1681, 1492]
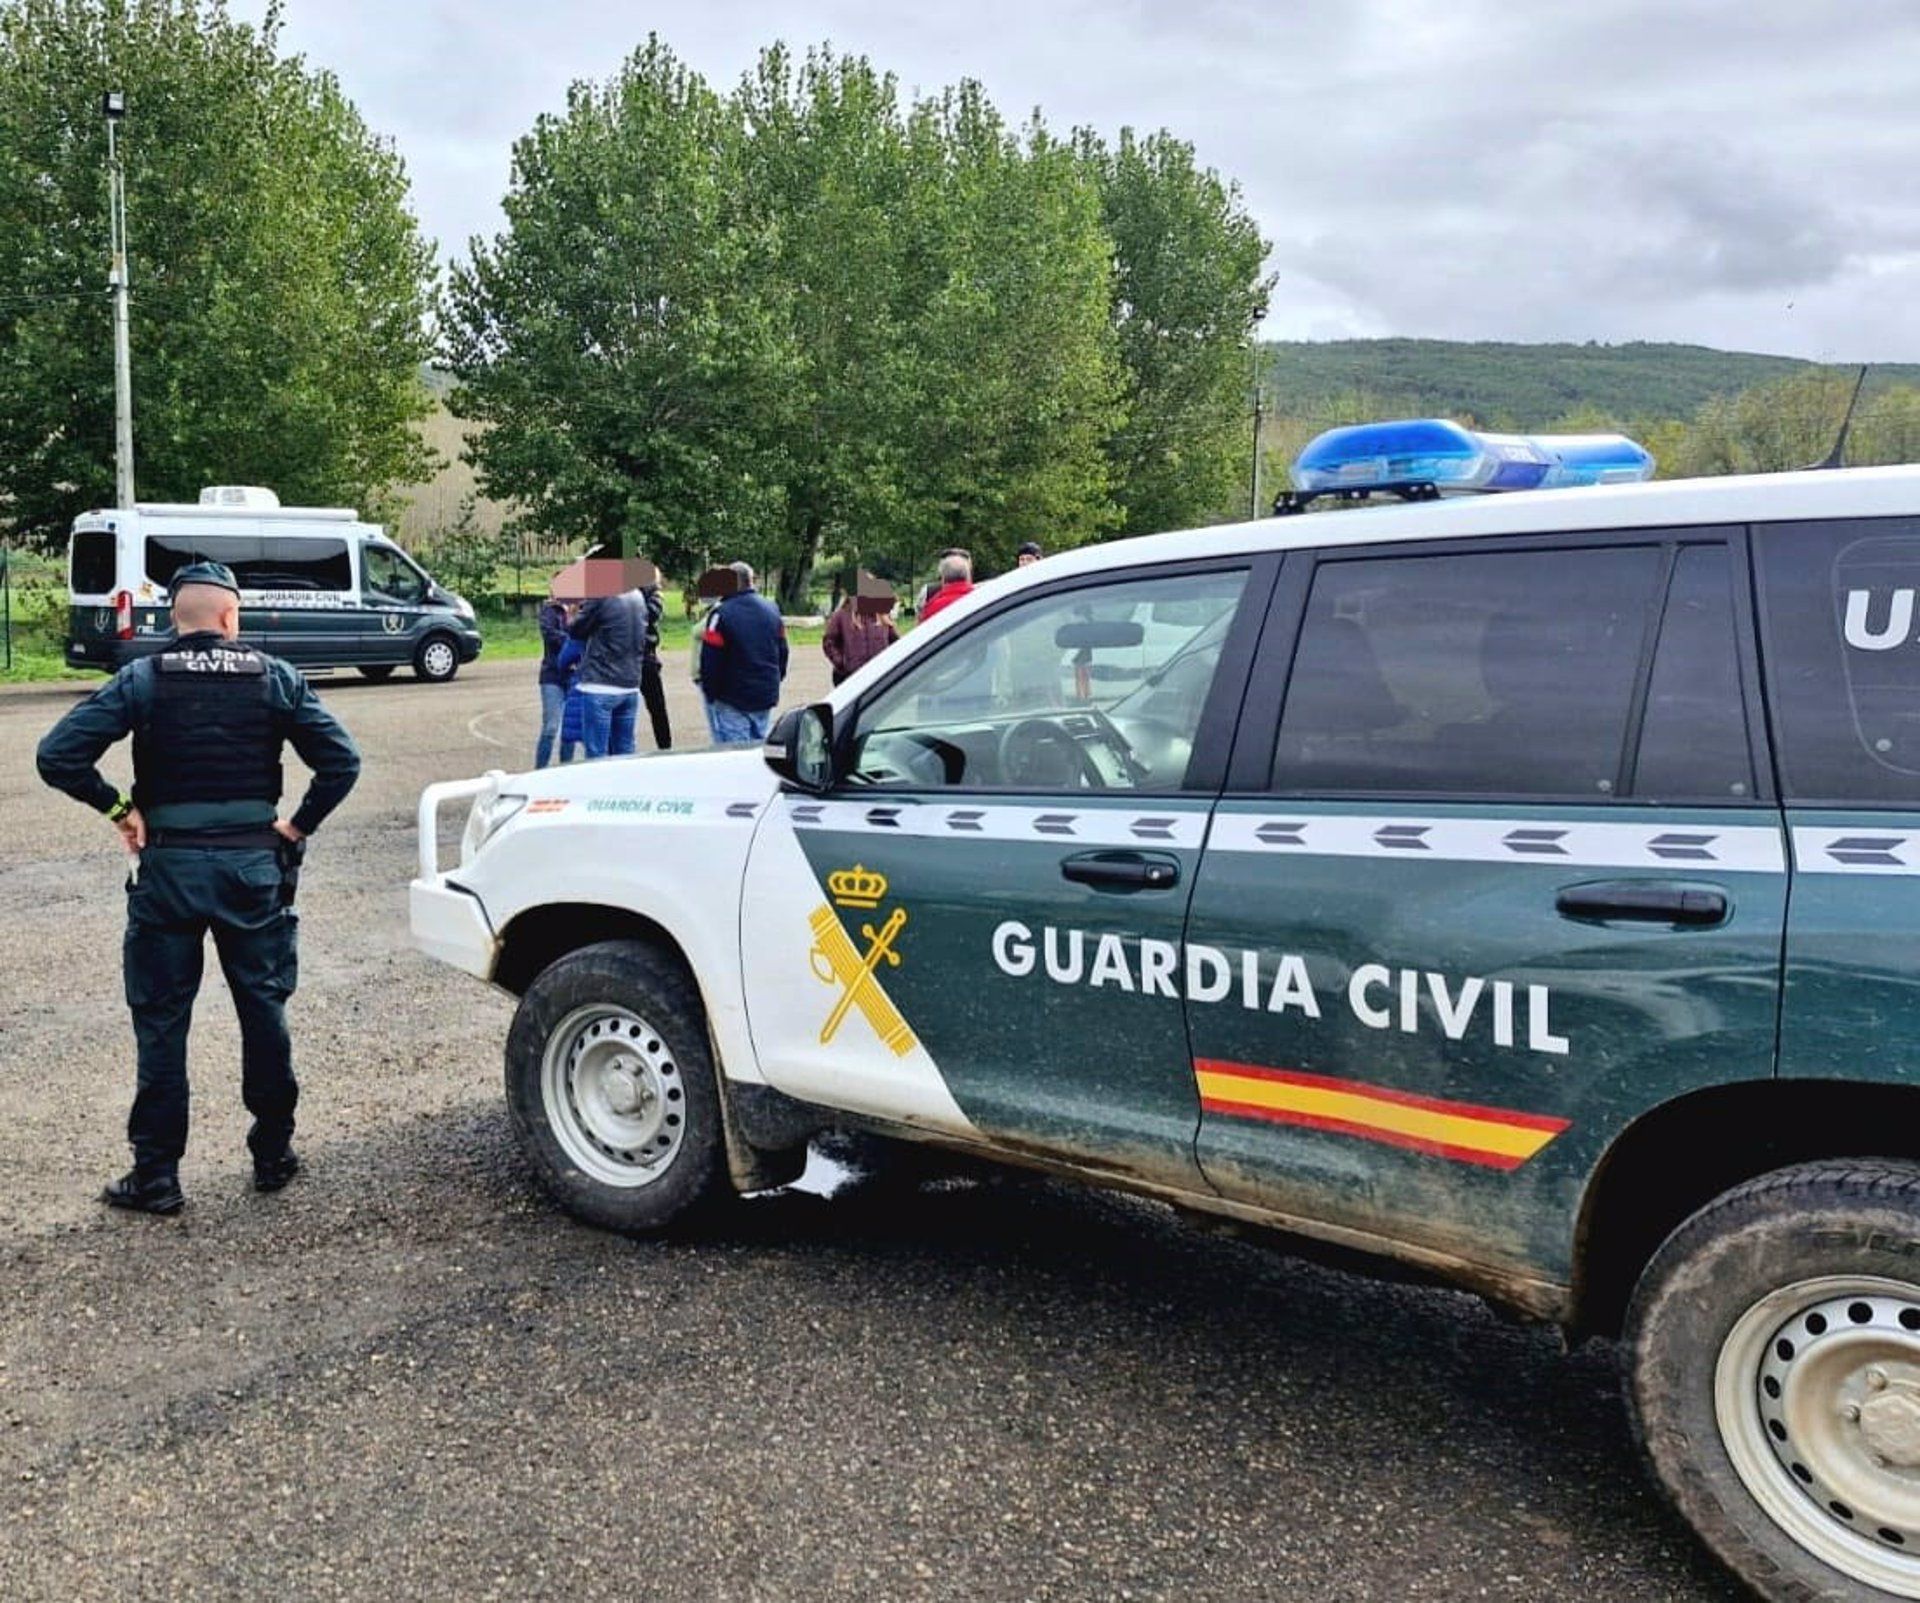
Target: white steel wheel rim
[1817, 1397]
[438, 657]
[613, 1095]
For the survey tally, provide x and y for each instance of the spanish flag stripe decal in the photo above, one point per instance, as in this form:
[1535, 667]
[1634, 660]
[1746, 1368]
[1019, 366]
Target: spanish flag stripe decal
[1462, 1131]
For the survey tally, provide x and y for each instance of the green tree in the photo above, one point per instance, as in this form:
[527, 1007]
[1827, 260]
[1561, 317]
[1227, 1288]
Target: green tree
[1020, 386]
[823, 194]
[280, 285]
[609, 340]
[1188, 294]
[1887, 429]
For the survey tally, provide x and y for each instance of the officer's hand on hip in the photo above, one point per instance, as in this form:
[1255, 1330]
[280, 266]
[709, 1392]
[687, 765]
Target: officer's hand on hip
[287, 832]
[133, 830]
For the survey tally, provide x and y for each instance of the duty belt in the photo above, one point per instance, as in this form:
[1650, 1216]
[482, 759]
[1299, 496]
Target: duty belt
[254, 838]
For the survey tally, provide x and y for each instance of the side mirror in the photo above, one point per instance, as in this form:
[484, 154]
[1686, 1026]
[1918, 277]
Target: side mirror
[800, 747]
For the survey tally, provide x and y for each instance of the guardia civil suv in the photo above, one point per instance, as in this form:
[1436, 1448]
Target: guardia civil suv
[1521, 887]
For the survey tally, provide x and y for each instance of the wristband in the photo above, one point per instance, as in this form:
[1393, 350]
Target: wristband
[120, 809]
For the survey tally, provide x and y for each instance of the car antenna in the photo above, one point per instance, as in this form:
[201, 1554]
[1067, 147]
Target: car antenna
[1835, 457]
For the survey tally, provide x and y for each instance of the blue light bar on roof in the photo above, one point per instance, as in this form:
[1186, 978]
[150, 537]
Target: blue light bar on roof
[1420, 451]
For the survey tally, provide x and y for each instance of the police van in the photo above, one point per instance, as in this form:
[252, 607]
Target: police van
[317, 586]
[1521, 888]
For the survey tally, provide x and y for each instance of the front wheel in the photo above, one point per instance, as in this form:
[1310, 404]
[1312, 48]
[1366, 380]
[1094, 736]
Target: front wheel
[437, 660]
[612, 1089]
[1774, 1379]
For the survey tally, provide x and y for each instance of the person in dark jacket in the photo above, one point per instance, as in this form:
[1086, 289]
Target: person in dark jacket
[854, 638]
[621, 633]
[553, 684]
[743, 658]
[208, 718]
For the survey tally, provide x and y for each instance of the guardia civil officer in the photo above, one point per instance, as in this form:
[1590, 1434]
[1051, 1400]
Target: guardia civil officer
[208, 718]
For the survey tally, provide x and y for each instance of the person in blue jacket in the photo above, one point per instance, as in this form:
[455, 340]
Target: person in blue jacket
[743, 659]
[573, 709]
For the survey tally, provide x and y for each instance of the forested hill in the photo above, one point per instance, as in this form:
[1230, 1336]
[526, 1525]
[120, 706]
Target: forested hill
[1523, 386]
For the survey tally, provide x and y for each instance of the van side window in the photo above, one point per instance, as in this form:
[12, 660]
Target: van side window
[167, 554]
[1693, 736]
[1496, 674]
[296, 564]
[1841, 645]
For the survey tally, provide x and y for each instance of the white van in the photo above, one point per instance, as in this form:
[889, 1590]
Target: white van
[317, 586]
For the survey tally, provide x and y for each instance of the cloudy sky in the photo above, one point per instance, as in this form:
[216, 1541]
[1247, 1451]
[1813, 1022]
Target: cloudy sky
[1739, 173]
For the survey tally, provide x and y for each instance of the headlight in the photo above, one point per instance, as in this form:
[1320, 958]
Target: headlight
[491, 809]
[464, 607]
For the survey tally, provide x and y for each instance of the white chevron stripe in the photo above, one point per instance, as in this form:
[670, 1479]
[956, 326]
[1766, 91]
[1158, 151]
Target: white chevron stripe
[1679, 848]
[1169, 826]
[1823, 849]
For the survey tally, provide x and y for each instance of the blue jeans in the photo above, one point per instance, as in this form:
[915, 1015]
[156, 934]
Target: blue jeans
[552, 699]
[732, 727]
[606, 723]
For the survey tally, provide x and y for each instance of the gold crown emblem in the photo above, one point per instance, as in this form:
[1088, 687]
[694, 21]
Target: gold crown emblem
[857, 886]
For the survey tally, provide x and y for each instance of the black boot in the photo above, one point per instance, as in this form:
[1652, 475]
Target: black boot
[149, 1193]
[272, 1174]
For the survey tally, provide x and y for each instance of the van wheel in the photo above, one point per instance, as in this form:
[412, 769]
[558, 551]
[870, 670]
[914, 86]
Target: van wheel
[377, 673]
[612, 1089]
[436, 660]
[1774, 1378]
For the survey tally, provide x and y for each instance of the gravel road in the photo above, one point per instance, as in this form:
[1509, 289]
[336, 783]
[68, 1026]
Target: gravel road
[409, 1376]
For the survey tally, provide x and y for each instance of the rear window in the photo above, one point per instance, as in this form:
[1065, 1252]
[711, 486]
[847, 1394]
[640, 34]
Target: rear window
[1693, 735]
[94, 569]
[1842, 658]
[1502, 674]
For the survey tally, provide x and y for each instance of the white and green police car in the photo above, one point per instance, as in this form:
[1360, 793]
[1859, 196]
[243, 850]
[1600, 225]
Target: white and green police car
[1523, 888]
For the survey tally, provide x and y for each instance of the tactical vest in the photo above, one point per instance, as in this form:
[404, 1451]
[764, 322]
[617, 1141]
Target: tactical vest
[210, 733]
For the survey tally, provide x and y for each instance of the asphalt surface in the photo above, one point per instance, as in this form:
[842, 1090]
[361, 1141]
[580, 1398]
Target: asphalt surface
[410, 1376]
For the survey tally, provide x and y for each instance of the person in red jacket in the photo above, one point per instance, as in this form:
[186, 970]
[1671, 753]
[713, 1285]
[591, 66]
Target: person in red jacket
[856, 635]
[956, 580]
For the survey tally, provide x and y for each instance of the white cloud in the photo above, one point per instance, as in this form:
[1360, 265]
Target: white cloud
[1668, 169]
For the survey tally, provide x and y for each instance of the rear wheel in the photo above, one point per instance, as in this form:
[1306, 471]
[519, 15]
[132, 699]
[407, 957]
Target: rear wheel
[377, 671]
[612, 1088]
[436, 659]
[1774, 1379]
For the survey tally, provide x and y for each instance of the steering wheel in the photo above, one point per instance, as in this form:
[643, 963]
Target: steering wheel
[1037, 752]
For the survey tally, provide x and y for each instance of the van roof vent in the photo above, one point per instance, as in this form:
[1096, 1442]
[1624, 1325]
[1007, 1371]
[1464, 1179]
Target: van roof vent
[238, 495]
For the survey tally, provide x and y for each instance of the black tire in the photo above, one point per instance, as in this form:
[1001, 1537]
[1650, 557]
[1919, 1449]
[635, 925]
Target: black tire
[1725, 1311]
[436, 659]
[377, 672]
[565, 1124]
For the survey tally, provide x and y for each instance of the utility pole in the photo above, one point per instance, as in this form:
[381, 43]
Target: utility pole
[1253, 481]
[114, 106]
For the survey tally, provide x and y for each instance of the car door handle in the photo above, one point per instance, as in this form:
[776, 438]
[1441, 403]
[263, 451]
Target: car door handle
[1122, 871]
[1643, 901]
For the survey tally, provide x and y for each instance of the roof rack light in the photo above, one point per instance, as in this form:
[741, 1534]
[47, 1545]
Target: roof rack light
[1419, 458]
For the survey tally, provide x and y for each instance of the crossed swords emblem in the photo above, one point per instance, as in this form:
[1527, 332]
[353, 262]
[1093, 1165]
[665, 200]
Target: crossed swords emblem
[835, 960]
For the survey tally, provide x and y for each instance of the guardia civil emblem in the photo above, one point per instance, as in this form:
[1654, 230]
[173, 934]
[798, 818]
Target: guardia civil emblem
[838, 962]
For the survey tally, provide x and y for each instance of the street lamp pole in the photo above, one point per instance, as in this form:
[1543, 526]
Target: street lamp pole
[114, 105]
